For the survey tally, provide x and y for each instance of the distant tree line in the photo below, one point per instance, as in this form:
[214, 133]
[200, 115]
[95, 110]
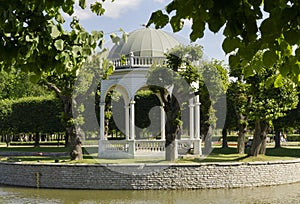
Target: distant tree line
[27, 119]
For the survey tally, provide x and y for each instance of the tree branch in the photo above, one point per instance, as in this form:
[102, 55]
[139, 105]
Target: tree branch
[54, 88]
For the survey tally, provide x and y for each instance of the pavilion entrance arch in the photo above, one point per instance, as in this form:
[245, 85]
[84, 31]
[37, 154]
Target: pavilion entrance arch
[115, 89]
[127, 82]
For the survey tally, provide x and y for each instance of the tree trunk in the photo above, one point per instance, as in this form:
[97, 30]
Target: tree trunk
[259, 139]
[71, 132]
[171, 151]
[241, 139]
[241, 134]
[72, 139]
[263, 139]
[277, 138]
[37, 139]
[67, 139]
[7, 140]
[224, 138]
[208, 140]
[172, 128]
[76, 149]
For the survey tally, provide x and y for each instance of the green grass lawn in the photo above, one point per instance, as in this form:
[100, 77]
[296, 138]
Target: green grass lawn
[90, 156]
[229, 155]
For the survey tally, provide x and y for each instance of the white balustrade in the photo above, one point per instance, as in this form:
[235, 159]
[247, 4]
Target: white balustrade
[149, 146]
[135, 61]
[146, 147]
[115, 145]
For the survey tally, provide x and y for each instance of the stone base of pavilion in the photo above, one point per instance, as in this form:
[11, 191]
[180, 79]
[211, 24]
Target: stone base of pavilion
[130, 149]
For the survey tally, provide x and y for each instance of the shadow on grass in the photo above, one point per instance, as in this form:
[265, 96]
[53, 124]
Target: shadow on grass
[36, 159]
[218, 155]
[283, 152]
[34, 149]
[90, 150]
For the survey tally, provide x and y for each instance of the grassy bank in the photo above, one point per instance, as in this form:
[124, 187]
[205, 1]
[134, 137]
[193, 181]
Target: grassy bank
[229, 155]
[90, 156]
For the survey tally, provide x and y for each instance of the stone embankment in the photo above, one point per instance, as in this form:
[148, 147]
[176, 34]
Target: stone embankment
[150, 176]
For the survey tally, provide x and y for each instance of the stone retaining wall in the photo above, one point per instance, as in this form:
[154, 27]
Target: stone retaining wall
[150, 176]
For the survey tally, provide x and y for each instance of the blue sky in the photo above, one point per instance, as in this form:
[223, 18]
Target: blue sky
[131, 14]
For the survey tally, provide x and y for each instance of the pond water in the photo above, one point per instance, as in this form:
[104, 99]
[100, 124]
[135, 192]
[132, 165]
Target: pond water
[275, 194]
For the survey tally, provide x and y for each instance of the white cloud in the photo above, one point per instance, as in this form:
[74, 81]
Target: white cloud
[112, 9]
[82, 14]
[118, 7]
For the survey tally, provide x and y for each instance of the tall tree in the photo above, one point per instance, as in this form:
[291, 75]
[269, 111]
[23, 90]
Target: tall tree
[33, 39]
[86, 93]
[181, 80]
[239, 99]
[249, 26]
[268, 102]
[215, 81]
[172, 83]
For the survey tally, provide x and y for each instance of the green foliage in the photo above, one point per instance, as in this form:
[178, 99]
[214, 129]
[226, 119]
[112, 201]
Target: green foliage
[237, 102]
[249, 27]
[5, 112]
[16, 84]
[145, 101]
[30, 115]
[188, 73]
[33, 38]
[264, 95]
[270, 102]
[97, 8]
[86, 92]
[290, 120]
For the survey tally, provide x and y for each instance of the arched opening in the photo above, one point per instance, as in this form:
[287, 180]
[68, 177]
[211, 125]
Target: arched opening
[147, 115]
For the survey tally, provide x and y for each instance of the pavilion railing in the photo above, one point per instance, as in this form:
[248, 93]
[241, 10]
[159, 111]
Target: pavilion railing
[135, 61]
[150, 145]
[115, 145]
[117, 148]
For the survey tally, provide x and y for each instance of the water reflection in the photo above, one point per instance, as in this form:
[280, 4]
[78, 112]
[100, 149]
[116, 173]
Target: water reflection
[275, 194]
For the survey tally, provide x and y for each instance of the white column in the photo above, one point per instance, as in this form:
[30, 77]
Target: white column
[191, 107]
[197, 118]
[162, 122]
[102, 120]
[132, 125]
[131, 59]
[127, 121]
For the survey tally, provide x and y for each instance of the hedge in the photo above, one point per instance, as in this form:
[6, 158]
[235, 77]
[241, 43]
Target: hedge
[31, 115]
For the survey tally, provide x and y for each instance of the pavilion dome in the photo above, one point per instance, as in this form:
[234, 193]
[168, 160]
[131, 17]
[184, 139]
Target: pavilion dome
[145, 42]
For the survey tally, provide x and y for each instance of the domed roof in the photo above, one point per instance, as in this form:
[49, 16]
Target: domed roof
[145, 42]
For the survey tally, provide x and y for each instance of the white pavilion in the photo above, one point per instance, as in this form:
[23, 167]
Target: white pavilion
[143, 48]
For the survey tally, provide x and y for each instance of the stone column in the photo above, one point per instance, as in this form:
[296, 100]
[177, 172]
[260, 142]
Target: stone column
[127, 121]
[197, 118]
[191, 107]
[102, 121]
[131, 55]
[197, 139]
[132, 123]
[162, 122]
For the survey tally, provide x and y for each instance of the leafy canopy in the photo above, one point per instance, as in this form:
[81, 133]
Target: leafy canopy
[32, 37]
[249, 26]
